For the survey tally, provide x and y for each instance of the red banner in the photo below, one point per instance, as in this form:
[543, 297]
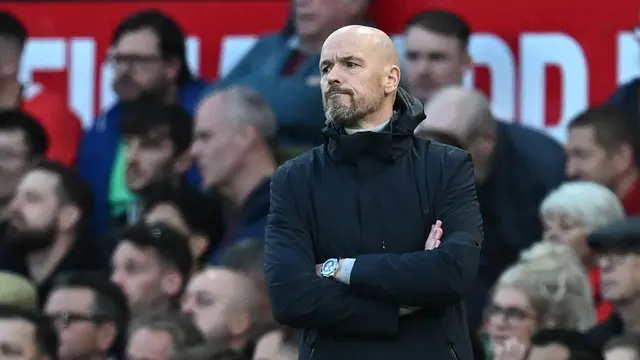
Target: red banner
[539, 61]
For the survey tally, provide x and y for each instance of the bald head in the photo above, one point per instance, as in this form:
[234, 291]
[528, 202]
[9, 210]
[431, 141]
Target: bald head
[455, 111]
[365, 39]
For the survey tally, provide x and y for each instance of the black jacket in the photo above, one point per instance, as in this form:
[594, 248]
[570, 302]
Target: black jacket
[374, 197]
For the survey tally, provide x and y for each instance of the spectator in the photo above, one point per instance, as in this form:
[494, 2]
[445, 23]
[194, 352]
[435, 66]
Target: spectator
[210, 351]
[283, 67]
[618, 258]
[159, 336]
[547, 288]
[281, 344]
[573, 211]
[151, 264]
[515, 169]
[148, 55]
[436, 52]
[224, 306]
[247, 257]
[91, 316]
[19, 291]
[28, 333]
[560, 344]
[624, 347]
[231, 146]
[23, 142]
[45, 105]
[46, 234]
[603, 145]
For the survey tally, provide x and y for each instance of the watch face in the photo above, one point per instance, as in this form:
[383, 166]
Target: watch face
[329, 267]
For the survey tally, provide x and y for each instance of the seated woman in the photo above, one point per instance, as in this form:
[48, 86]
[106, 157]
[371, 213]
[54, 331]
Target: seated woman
[546, 288]
[573, 211]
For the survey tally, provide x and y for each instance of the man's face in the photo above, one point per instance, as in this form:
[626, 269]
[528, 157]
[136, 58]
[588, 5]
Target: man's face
[14, 155]
[149, 159]
[586, 159]
[34, 211]
[352, 81]
[549, 352]
[314, 18]
[139, 66]
[211, 301]
[17, 340]
[72, 312]
[619, 275]
[147, 344]
[140, 274]
[219, 144]
[566, 229]
[9, 58]
[433, 61]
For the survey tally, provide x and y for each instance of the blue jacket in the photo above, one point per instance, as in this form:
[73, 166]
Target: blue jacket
[99, 147]
[295, 99]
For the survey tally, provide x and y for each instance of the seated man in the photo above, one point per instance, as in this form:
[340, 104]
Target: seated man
[27, 334]
[159, 336]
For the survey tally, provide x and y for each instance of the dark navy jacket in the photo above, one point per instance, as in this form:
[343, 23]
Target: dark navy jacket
[373, 197]
[626, 97]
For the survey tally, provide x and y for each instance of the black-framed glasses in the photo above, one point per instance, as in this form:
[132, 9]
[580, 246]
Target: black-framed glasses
[66, 319]
[511, 314]
[132, 61]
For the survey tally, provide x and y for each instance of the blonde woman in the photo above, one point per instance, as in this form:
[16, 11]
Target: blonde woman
[570, 213]
[546, 288]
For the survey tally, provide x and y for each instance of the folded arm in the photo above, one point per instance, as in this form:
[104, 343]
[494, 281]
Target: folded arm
[300, 298]
[439, 275]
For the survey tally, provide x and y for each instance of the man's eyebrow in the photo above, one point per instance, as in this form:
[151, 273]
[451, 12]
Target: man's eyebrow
[343, 59]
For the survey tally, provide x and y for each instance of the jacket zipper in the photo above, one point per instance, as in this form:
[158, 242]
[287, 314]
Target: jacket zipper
[454, 356]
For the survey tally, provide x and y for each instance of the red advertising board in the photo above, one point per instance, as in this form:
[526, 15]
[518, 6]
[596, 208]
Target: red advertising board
[539, 61]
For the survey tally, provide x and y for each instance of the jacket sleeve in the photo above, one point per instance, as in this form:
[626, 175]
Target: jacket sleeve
[440, 275]
[299, 297]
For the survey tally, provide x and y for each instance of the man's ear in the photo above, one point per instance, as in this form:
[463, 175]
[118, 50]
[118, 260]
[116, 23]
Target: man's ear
[392, 81]
[68, 217]
[182, 163]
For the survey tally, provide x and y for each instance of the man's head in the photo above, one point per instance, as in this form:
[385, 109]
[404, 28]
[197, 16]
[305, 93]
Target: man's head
[223, 304]
[91, 315]
[603, 146]
[624, 347]
[51, 202]
[148, 55]
[151, 264]
[23, 141]
[360, 74]
[231, 125]
[13, 36]
[316, 19]
[157, 139]
[159, 336]
[26, 335]
[436, 52]
[559, 344]
[465, 115]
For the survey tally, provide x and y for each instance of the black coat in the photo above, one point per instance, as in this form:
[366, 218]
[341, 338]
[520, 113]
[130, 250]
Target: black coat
[373, 197]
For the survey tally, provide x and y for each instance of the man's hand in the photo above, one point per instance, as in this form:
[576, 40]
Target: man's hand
[319, 268]
[433, 241]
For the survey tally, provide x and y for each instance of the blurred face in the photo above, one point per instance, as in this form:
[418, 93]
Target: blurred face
[9, 58]
[352, 81]
[621, 353]
[34, 211]
[588, 160]
[549, 352]
[433, 61]
[14, 158]
[566, 229]
[139, 66]
[212, 301]
[510, 315]
[147, 344]
[141, 276]
[318, 18]
[620, 276]
[79, 328]
[17, 340]
[219, 144]
[149, 159]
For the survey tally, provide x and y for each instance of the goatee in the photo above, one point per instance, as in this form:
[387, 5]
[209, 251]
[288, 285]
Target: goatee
[29, 240]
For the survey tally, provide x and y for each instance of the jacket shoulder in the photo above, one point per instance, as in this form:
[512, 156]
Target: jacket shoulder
[302, 165]
[444, 154]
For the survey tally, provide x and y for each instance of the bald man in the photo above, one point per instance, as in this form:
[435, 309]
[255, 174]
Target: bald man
[224, 305]
[515, 168]
[372, 240]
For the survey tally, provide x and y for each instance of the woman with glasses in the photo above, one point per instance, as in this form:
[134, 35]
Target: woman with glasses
[546, 288]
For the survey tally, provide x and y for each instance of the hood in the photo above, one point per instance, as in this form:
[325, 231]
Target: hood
[386, 145]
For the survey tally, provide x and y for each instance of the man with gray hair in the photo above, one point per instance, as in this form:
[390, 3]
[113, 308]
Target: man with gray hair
[233, 131]
[159, 336]
[515, 169]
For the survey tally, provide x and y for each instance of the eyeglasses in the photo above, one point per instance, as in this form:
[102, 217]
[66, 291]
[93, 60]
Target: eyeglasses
[511, 314]
[65, 319]
[135, 62]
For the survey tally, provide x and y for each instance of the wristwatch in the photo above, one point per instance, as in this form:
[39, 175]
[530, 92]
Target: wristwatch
[329, 268]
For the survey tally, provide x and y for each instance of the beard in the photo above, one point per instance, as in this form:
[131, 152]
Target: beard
[348, 115]
[128, 90]
[30, 240]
